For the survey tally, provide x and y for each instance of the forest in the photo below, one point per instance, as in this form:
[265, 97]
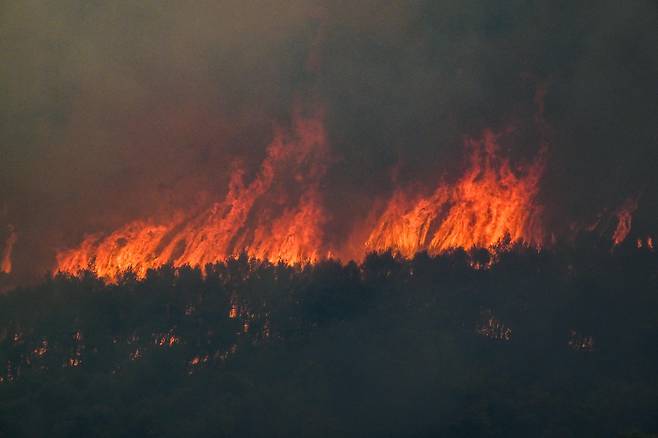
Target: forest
[519, 343]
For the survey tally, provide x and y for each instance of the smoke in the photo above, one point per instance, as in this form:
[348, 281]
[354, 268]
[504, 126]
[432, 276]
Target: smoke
[113, 111]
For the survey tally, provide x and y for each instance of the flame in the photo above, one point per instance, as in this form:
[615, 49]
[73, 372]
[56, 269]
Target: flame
[5, 264]
[279, 215]
[488, 204]
[263, 218]
[624, 220]
[646, 243]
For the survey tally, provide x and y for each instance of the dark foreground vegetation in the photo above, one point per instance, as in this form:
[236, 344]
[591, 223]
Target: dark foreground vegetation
[558, 344]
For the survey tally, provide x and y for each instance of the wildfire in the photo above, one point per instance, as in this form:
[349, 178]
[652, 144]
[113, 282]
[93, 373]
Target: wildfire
[265, 218]
[489, 204]
[279, 215]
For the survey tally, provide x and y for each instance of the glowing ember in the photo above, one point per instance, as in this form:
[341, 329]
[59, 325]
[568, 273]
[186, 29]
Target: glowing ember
[5, 264]
[624, 217]
[492, 328]
[580, 342]
[488, 205]
[646, 243]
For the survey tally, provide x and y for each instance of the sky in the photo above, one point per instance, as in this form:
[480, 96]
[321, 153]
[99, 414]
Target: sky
[110, 111]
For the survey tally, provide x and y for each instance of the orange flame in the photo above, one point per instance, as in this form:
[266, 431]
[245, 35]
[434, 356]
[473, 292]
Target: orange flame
[5, 264]
[279, 215]
[488, 205]
[624, 220]
[646, 243]
[261, 218]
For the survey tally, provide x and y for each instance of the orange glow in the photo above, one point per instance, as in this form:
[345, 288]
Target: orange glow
[42, 349]
[487, 205]
[624, 220]
[6, 265]
[135, 355]
[167, 339]
[277, 217]
[647, 243]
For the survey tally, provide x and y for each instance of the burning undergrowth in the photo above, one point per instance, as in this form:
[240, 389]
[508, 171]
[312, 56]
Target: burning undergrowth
[279, 214]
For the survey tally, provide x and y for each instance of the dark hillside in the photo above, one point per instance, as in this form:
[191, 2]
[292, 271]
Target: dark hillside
[560, 343]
